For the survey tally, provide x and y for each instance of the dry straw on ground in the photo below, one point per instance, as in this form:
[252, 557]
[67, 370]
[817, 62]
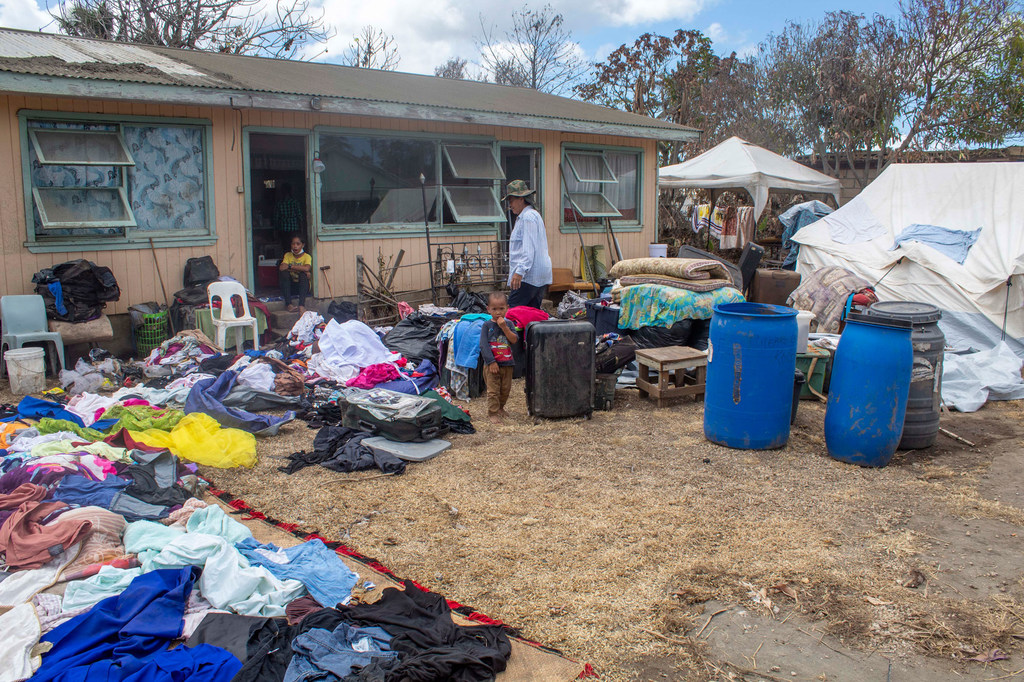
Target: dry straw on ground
[602, 538]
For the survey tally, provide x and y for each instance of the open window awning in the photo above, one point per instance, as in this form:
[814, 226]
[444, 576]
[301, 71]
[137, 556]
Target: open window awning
[738, 164]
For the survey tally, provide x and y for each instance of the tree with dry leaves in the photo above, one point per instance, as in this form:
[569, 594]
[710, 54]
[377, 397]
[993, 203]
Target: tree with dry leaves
[538, 52]
[680, 78]
[372, 48]
[454, 68]
[284, 29]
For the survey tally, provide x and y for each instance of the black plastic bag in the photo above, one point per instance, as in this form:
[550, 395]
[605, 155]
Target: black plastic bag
[699, 334]
[200, 271]
[343, 311]
[659, 337]
[469, 302]
[415, 337]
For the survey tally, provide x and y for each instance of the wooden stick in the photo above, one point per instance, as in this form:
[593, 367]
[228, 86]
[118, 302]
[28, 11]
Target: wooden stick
[955, 437]
[710, 618]
[674, 640]
[160, 276]
[394, 268]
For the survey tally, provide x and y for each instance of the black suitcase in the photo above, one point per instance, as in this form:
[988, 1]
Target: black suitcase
[560, 371]
[425, 426]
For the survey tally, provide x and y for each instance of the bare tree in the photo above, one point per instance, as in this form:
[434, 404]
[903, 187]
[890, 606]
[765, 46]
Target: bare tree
[372, 48]
[454, 68]
[963, 71]
[538, 52]
[284, 29]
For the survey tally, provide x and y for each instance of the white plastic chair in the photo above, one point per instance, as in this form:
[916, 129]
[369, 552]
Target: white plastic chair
[225, 291]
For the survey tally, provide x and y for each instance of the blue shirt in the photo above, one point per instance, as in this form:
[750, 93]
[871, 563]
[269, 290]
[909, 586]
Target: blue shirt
[528, 249]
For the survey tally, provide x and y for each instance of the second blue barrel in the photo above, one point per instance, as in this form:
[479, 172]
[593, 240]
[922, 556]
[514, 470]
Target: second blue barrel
[751, 361]
[867, 398]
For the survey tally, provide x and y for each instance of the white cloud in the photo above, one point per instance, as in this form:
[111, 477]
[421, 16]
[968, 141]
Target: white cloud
[23, 14]
[632, 12]
[429, 32]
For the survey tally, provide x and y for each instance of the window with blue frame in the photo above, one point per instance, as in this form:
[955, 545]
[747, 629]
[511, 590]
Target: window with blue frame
[601, 184]
[110, 181]
[374, 181]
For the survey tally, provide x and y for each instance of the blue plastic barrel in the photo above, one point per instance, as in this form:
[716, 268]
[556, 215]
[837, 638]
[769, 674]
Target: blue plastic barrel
[867, 399]
[748, 400]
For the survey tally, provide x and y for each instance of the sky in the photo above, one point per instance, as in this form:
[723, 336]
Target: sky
[428, 32]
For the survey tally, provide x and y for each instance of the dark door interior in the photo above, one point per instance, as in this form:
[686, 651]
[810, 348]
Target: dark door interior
[280, 206]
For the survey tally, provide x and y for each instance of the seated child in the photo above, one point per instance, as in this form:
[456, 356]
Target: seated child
[294, 276]
[496, 340]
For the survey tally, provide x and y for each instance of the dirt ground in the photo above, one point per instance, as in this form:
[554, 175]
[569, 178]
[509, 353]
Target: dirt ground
[632, 543]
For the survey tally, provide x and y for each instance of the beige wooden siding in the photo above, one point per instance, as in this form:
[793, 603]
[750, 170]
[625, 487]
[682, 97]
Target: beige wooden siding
[135, 270]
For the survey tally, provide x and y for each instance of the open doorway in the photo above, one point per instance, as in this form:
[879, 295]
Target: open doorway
[279, 206]
[520, 163]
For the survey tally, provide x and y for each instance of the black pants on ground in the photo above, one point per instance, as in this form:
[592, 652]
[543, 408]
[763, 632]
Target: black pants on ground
[291, 289]
[527, 294]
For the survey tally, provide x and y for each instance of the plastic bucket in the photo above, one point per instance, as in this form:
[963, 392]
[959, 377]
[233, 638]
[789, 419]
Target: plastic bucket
[803, 328]
[26, 368]
[867, 398]
[657, 250]
[748, 401]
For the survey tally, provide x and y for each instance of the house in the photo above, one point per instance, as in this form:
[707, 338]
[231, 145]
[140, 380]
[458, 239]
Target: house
[123, 154]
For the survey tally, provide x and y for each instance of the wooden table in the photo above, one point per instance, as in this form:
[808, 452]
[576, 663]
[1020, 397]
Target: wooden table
[663, 372]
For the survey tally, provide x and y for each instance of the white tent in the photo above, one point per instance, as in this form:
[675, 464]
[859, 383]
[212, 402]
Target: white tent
[975, 297]
[738, 164]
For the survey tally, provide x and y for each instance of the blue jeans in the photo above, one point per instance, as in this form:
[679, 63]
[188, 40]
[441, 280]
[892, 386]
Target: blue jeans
[318, 651]
[291, 289]
[527, 294]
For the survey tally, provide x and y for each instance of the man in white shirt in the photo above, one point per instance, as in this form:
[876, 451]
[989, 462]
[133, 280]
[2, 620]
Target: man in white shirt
[529, 264]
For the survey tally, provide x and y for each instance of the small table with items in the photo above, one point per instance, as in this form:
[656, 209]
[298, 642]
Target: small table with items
[663, 372]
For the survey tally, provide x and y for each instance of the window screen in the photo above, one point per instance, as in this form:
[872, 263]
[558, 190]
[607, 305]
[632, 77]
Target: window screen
[473, 162]
[590, 167]
[473, 204]
[82, 206]
[80, 147]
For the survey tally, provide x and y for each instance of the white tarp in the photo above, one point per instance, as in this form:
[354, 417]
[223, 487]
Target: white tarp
[970, 380]
[974, 297]
[738, 164]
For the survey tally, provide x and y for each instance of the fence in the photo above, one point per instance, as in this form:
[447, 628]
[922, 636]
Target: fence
[474, 264]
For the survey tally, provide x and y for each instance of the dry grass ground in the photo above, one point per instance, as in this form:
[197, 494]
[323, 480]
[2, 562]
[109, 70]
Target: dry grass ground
[603, 538]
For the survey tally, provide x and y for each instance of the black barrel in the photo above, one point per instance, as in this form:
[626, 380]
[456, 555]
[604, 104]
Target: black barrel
[921, 425]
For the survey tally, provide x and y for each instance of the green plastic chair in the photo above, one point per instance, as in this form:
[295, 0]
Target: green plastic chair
[23, 320]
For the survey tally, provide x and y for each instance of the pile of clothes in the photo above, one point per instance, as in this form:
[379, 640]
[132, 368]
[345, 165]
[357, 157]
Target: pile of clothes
[668, 301]
[458, 344]
[115, 568]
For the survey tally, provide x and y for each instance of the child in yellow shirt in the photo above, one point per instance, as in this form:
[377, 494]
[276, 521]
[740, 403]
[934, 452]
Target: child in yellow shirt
[294, 275]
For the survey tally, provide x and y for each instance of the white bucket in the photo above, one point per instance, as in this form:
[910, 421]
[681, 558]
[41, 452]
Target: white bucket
[657, 250]
[803, 328]
[26, 368]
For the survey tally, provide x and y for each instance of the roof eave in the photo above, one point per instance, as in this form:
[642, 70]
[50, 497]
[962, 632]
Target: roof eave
[57, 86]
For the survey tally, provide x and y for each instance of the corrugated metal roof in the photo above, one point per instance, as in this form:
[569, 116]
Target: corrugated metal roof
[45, 54]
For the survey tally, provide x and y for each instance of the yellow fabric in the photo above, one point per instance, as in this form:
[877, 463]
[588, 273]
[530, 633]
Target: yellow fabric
[200, 439]
[304, 259]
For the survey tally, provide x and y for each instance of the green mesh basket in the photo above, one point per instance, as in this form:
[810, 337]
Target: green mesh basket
[152, 332]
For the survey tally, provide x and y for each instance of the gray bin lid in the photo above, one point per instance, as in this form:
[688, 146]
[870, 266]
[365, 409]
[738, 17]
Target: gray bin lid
[917, 313]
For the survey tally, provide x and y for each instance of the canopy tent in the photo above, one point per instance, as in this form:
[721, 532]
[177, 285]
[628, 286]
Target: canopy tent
[978, 297]
[738, 164]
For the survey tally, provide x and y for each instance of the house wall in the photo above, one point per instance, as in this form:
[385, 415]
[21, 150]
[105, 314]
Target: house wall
[135, 268]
